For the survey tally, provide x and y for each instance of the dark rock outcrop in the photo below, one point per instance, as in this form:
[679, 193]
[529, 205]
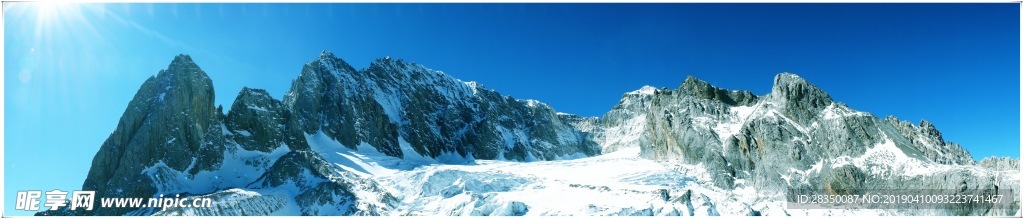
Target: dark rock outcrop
[172, 120]
[436, 114]
[257, 121]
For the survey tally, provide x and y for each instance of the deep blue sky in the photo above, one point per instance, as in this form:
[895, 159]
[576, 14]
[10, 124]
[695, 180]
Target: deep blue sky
[70, 72]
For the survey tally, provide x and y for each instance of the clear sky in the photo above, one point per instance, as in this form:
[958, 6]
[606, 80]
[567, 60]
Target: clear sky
[70, 70]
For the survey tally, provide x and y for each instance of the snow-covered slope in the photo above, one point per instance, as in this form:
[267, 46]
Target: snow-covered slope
[616, 183]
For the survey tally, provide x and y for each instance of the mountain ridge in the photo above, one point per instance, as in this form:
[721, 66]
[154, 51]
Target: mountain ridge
[292, 149]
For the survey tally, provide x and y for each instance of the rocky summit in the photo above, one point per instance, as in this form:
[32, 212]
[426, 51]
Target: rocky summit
[398, 138]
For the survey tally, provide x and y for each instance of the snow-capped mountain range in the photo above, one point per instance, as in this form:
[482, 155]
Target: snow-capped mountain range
[398, 138]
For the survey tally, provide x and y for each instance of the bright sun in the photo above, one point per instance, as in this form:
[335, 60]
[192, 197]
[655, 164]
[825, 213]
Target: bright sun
[49, 10]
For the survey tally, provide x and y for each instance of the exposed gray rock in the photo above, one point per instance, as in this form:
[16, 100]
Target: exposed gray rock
[434, 113]
[170, 120]
[172, 140]
[171, 133]
[802, 100]
[257, 121]
[928, 140]
[796, 127]
[625, 123]
[1000, 163]
[319, 184]
[344, 110]
[703, 90]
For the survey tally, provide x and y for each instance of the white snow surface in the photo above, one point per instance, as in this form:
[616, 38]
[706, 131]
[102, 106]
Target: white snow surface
[626, 135]
[645, 90]
[603, 185]
[258, 108]
[238, 167]
[367, 161]
[617, 183]
[738, 115]
[886, 159]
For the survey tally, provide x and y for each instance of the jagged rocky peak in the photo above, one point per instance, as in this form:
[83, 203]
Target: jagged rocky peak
[394, 99]
[391, 70]
[316, 90]
[645, 90]
[256, 120]
[396, 71]
[181, 60]
[326, 54]
[793, 88]
[388, 62]
[801, 101]
[254, 94]
[329, 60]
[926, 138]
[704, 90]
[171, 123]
[189, 85]
[930, 129]
[1000, 163]
[253, 99]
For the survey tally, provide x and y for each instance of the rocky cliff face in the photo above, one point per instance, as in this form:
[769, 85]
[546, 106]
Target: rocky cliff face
[795, 137]
[927, 139]
[798, 121]
[170, 121]
[173, 140]
[394, 103]
[315, 152]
